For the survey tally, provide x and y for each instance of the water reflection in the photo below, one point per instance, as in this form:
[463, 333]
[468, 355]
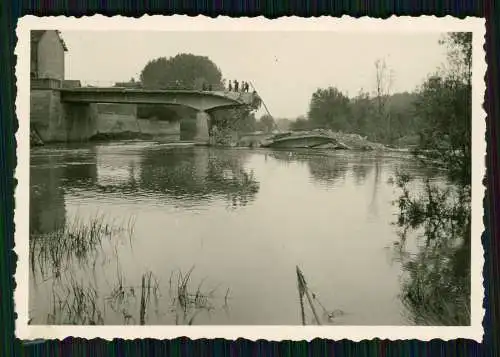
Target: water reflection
[436, 288]
[47, 205]
[373, 207]
[324, 169]
[187, 175]
[329, 167]
[328, 170]
[80, 170]
[362, 168]
[199, 174]
[289, 208]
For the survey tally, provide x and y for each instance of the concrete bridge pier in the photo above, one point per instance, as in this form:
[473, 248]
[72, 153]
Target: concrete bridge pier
[81, 121]
[202, 136]
[56, 121]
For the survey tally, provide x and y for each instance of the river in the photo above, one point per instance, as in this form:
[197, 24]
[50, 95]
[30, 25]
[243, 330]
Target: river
[220, 230]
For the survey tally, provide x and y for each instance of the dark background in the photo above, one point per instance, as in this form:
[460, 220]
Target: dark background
[10, 11]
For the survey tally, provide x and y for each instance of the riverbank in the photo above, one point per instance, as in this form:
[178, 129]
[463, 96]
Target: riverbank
[124, 135]
[332, 140]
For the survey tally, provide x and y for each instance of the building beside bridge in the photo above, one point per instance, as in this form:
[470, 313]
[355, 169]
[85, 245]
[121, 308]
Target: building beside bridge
[47, 55]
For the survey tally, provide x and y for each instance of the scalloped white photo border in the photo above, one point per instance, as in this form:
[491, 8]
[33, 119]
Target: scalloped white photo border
[202, 23]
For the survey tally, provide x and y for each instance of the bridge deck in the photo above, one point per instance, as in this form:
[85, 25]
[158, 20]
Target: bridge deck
[238, 96]
[193, 98]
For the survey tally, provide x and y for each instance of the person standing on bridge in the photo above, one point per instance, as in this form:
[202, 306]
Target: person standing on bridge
[230, 86]
[236, 85]
[210, 87]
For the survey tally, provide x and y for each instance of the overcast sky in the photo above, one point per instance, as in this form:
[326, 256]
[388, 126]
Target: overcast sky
[285, 67]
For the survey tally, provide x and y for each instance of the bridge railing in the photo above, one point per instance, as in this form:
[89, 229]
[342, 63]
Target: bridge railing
[98, 83]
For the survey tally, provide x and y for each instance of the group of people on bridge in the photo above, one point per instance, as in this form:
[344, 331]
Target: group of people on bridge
[207, 87]
[234, 85]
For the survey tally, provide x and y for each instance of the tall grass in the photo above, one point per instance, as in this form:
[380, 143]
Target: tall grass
[187, 302]
[149, 287]
[74, 303]
[77, 241]
[77, 302]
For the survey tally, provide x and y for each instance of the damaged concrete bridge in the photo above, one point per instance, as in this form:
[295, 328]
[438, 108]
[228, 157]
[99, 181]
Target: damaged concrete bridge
[69, 114]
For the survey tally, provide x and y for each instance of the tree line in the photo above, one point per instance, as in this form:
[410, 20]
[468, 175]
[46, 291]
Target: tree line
[390, 120]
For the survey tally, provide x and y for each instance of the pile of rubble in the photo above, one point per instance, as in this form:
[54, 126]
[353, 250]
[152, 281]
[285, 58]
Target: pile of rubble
[352, 141]
[223, 137]
[345, 141]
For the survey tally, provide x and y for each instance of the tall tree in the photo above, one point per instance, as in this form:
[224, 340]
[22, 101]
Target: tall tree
[283, 124]
[329, 108]
[301, 123]
[183, 71]
[361, 110]
[266, 123]
[383, 86]
[459, 55]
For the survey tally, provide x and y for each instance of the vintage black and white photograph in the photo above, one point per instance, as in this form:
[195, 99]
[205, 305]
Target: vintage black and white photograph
[250, 178]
